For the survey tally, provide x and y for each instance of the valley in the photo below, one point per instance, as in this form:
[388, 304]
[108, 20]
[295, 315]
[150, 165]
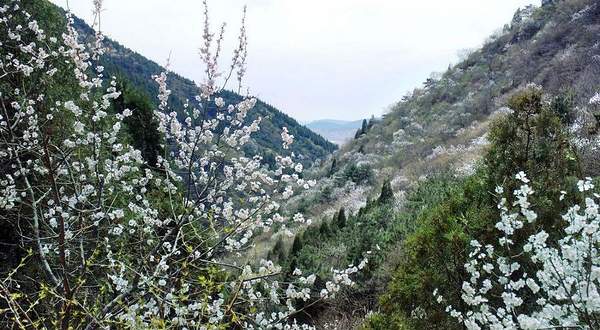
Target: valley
[135, 198]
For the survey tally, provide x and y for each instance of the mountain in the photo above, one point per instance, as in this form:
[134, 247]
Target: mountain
[336, 131]
[471, 204]
[327, 124]
[527, 100]
[553, 47]
[137, 70]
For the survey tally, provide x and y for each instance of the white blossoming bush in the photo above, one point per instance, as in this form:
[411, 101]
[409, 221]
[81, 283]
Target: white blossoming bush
[114, 243]
[540, 283]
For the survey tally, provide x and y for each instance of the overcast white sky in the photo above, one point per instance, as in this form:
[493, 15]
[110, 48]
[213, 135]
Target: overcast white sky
[313, 59]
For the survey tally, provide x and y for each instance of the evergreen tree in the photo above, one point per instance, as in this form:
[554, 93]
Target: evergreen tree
[362, 130]
[341, 218]
[297, 245]
[141, 125]
[357, 134]
[279, 251]
[371, 123]
[333, 167]
[387, 195]
[324, 230]
[334, 220]
[563, 105]
[534, 140]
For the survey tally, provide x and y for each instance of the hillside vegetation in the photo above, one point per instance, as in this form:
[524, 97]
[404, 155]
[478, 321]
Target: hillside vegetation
[554, 47]
[116, 210]
[473, 203]
[525, 101]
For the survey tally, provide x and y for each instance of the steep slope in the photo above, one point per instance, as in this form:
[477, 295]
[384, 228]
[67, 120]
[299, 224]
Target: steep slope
[138, 70]
[555, 47]
[429, 147]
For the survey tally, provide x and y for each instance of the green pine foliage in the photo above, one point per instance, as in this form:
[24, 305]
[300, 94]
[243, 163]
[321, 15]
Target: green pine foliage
[340, 218]
[356, 173]
[279, 253]
[434, 256]
[296, 245]
[346, 239]
[387, 194]
[141, 125]
[531, 139]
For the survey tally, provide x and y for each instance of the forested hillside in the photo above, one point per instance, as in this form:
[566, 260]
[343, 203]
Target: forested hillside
[525, 102]
[554, 47]
[473, 203]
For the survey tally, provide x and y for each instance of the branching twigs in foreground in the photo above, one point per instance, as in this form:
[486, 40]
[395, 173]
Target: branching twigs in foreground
[120, 243]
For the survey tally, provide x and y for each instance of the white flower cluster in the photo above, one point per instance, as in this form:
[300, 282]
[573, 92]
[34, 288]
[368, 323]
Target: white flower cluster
[287, 138]
[557, 287]
[146, 241]
[595, 100]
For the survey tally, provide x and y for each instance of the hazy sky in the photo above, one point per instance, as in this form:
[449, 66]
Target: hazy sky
[313, 59]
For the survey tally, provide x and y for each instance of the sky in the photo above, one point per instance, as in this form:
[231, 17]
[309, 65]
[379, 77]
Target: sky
[312, 59]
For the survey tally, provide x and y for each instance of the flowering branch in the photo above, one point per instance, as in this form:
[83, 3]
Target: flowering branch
[562, 290]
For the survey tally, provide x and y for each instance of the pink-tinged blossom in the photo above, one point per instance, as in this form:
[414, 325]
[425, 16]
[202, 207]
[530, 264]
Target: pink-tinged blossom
[287, 138]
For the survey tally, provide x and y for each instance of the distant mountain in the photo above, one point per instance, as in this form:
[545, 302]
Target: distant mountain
[332, 124]
[137, 70]
[336, 131]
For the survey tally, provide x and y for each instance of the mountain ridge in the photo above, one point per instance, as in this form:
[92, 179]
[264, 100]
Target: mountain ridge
[138, 70]
[430, 148]
[336, 131]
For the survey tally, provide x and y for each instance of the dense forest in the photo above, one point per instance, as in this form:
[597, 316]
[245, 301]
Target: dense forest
[133, 198]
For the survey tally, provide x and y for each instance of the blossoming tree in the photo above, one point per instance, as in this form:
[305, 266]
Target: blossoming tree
[111, 242]
[541, 283]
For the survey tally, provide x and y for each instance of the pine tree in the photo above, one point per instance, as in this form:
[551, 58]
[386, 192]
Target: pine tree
[362, 130]
[324, 230]
[358, 134]
[333, 167]
[297, 245]
[141, 125]
[341, 218]
[371, 123]
[279, 251]
[387, 195]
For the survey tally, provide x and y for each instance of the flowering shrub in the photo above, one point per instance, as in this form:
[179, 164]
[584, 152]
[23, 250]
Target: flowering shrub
[540, 283]
[112, 242]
